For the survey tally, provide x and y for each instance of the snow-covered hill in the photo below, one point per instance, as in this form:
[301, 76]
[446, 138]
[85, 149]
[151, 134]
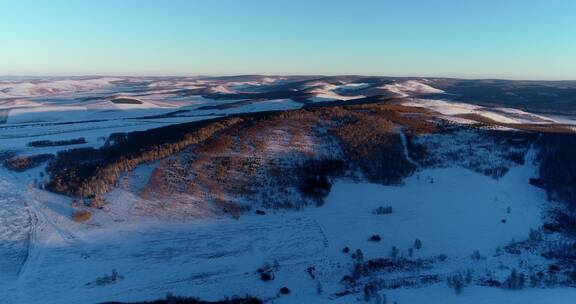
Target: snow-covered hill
[52, 87]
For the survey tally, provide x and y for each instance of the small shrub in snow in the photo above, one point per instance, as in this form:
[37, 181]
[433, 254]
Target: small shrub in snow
[512, 248]
[370, 291]
[260, 212]
[418, 244]
[498, 251]
[491, 283]
[284, 290]
[348, 280]
[536, 279]
[476, 255]
[553, 269]
[551, 280]
[375, 238]
[394, 252]
[346, 249]
[319, 288]
[265, 276]
[311, 272]
[108, 279]
[266, 272]
[383, 210]
[514, 281]
[468, 277]
[357, 271]
[535, 235]
[359, 255]
[456, 282]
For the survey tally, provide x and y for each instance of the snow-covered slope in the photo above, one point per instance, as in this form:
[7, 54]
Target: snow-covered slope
[411, 88]
[501, 115]
[324, 91]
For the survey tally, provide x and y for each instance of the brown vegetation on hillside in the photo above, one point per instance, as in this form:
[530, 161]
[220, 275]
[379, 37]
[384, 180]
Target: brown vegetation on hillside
[88, 172]
[226, 165]
[286, 160]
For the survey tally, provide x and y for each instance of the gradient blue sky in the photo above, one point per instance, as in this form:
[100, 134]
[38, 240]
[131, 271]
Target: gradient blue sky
[518, 39]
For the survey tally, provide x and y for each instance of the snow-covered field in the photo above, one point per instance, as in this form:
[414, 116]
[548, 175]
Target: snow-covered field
[453, 211]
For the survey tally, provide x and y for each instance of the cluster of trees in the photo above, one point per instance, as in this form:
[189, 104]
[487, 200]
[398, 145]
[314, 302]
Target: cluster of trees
[54, 143]
[383, 210]
[108, 279]
[558, 175]
[515, 280]
[315, 176]
[468, 148]
[126, 100]
[88, 172]
[373, 147]
[564, 250]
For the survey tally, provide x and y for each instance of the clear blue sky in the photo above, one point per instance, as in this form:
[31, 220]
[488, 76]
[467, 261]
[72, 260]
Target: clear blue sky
[520, 39]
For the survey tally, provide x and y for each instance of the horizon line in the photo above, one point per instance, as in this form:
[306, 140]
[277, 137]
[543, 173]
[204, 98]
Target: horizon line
[275, 75]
